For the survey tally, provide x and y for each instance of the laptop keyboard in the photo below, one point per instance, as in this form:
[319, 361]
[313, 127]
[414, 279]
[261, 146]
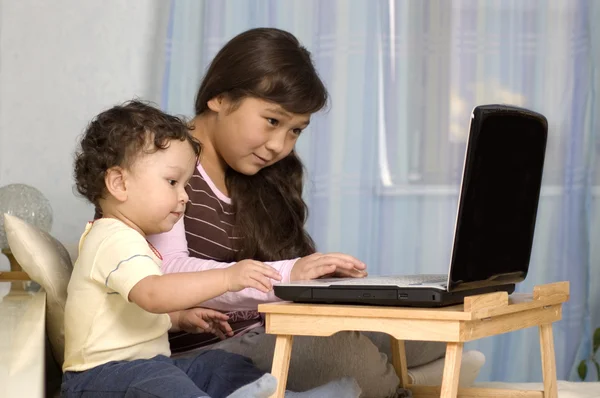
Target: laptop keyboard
[401, 280]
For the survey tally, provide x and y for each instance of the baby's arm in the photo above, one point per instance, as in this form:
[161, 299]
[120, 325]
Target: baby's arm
[173, 247]
[174, 292]
[125, 264]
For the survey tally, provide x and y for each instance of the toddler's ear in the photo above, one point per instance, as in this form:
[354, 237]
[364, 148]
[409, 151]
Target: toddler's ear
[115, 183]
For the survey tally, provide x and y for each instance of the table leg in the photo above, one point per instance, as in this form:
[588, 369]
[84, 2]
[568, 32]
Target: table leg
[451, 370]
[548, 361]
[399, 361]
[281, 363]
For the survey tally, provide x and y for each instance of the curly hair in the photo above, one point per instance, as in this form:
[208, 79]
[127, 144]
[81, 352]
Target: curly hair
[117, 137]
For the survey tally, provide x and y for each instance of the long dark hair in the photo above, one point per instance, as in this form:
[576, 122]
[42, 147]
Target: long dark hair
[272, 65]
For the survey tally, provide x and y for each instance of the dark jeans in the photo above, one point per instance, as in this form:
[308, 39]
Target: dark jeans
[212, 373]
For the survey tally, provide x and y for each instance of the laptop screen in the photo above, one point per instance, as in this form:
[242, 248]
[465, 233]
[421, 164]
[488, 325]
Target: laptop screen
[499, 197]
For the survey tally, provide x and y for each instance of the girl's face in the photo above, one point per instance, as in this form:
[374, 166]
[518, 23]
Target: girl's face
[256, 134]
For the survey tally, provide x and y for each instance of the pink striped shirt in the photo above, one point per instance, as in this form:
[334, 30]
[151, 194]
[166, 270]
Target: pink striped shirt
[173, 246]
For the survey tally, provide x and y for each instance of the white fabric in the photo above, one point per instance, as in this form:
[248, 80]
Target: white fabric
[431, 373]
[48, 263]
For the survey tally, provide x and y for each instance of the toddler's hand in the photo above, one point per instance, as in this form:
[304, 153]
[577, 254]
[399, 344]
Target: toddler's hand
[250, 273]
[205, 320]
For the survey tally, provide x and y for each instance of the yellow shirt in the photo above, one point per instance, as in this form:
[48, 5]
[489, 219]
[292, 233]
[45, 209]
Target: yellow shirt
[101, 324]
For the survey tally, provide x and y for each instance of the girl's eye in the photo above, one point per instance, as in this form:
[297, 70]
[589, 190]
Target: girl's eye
[172, 182]
[273, 122]
[297, 131]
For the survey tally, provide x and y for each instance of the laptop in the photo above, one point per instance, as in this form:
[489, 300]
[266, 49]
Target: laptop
[493, 235]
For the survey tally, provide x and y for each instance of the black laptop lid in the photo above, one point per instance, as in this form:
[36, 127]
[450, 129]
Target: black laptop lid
[499, 197]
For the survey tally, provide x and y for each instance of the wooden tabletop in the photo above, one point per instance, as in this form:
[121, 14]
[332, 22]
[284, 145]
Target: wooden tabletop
[474, 307]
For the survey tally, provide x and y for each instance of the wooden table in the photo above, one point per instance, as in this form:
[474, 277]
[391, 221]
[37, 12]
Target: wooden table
[22, 331]
[480, 316]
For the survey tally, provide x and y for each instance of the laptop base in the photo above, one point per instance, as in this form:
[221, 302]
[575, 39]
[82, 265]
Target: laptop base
[383, 295]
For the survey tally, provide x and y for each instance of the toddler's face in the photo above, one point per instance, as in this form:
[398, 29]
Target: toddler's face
[156, 196]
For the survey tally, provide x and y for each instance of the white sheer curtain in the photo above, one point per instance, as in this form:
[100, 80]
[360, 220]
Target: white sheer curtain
[384, 163]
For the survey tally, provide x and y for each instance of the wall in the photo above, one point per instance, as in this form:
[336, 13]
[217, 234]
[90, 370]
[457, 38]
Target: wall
[61, 62]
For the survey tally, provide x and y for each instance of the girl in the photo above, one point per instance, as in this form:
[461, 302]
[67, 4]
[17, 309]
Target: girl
[246, 203]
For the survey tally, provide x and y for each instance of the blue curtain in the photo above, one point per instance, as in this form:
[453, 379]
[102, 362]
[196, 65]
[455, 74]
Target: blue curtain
[384, 163]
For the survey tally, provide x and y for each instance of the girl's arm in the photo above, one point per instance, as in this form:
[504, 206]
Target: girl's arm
[173, 247]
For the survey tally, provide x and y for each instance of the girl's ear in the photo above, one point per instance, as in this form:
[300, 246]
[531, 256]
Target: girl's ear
[216, 104]
[115, 183]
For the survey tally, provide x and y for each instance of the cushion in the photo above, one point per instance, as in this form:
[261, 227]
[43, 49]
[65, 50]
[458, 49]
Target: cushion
[48, 263]
[431, 373]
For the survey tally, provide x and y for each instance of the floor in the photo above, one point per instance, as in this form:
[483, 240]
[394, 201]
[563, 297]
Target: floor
[566, 389]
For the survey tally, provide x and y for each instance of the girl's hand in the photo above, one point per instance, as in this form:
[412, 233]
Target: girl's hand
[205, 320]
[250, 273]
[318, 265]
